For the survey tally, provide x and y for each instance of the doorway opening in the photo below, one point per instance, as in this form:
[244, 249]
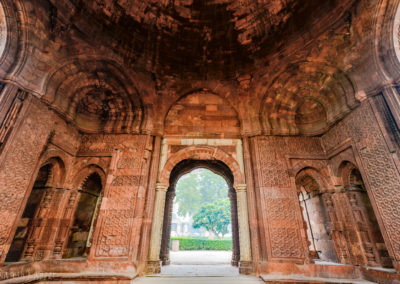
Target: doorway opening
[200, 224]
[22, 247]
[370, 238]
[315, 216]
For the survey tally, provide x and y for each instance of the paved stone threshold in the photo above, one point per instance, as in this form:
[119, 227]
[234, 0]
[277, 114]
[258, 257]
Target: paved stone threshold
[270, 279]
[303, 279]
[198, 279]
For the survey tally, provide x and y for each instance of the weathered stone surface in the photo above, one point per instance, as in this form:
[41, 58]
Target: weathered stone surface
[295, 103]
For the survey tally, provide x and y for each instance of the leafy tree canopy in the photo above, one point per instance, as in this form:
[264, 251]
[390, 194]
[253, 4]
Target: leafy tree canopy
[198, 187]
[214, 217]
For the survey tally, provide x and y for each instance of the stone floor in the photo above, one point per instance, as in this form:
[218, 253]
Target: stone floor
[199, 280]
[200, 264]
[195, 267]
[200, 257]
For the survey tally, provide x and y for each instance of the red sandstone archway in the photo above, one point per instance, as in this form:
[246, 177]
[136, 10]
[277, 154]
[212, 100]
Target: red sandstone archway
[206, 154]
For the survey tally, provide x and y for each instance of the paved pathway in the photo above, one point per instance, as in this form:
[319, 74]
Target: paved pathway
[195, 267]
[201, 257]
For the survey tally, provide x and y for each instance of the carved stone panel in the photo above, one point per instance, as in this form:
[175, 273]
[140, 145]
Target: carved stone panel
[117, 213]
[17, 168]
[381, 174]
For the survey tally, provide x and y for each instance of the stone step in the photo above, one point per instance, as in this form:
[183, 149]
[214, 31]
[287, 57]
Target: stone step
[197, 280]
[289, 279]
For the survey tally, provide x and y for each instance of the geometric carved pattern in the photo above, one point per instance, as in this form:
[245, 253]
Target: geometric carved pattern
[273, 170]
[125, 180]
[114, 236]
[285, 242]
[281, 209]
[280, 203]
[117, 216]
[19, 165]
[95, 144]
[379, 167]
[129, 162]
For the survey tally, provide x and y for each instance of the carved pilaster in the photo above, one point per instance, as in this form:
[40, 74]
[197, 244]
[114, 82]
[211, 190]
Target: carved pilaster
[335, 229]
[156, 229]
[245, 266]
[34, 244]
[146, 227]
[65, 222]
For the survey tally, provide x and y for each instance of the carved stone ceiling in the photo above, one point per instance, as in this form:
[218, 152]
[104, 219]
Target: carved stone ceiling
[197, 38]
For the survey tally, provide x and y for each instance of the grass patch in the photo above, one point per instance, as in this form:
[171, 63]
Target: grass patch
[190, 243]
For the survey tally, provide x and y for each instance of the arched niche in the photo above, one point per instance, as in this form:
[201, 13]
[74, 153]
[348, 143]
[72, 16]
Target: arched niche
[84, 218]
[19, 243]
[202, 114]
[305, 99]
[25, 241]
[374, 250]
[310, 186]
[96, 95]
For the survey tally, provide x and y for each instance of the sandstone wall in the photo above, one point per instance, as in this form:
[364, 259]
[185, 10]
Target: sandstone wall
[280, 220]
[378, 165]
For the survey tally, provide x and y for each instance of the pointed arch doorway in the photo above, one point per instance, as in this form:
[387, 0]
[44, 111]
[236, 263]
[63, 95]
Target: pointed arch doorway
[170, 170]
[184, 167]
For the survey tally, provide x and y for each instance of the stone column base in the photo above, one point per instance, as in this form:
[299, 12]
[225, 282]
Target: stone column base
[166, 261]
[153, 267]
[246, 267]
[234, 263]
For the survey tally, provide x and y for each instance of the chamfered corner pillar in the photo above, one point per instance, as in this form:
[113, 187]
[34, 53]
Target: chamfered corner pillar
[166, 231]
[246, 263]
[154, 263]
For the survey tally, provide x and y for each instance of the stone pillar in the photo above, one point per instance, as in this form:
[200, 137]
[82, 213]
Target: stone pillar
[39, 235]
[153, 263]
[148, 209]
[71, 198]
[252, 202]
[246, 265]
[335, 229]
[235, 229]
[166, 233]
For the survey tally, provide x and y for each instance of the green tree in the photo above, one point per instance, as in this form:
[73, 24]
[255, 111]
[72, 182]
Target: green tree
[188, 195]
[198, 187]
[214, 217]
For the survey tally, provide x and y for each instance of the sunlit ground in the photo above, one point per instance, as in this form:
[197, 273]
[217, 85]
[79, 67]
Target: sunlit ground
[200, 263]
[201, 257]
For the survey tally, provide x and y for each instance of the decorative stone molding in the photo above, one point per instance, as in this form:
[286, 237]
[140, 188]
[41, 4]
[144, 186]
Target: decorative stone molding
[244, 229]
[156, 228]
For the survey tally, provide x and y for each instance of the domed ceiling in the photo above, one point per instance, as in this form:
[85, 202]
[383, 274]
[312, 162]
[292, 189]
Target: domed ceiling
[197, 38]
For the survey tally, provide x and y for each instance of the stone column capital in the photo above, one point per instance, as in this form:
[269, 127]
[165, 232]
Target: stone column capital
[171, 194]
[161, 187]
[241, 187]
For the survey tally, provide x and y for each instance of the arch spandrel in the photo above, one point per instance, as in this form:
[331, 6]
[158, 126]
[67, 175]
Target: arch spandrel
[201, 153]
